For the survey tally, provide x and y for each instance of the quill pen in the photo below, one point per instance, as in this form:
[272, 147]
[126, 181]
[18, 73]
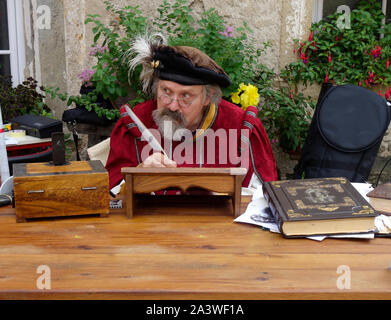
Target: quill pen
[146, 134]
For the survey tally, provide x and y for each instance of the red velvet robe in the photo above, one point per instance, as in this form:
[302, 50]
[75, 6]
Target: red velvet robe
[126, 145]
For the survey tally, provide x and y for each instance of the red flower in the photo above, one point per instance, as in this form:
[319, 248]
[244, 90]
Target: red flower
[329, 58]
[388, 63]
[359, 83]
[327, 78]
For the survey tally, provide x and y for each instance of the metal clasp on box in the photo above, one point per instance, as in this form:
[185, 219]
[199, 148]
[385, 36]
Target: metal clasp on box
[88, 188]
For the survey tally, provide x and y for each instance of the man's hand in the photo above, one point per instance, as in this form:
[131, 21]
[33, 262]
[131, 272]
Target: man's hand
[158, 160]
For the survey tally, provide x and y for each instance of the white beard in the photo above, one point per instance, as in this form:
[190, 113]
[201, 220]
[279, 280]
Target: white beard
[169, 123]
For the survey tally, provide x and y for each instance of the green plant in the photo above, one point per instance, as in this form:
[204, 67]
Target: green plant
[359, 55]
[22, 99]
[286, 115]
[231, 48]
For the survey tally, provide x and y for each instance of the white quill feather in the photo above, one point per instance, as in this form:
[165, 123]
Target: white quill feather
[146, 134]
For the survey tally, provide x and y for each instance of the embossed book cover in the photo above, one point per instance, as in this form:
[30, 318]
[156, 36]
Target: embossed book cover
[318, 207]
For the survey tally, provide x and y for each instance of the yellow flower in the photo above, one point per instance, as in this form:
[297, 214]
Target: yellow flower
[253, 95]
[247, 95]
[244, 100]
[235, 97]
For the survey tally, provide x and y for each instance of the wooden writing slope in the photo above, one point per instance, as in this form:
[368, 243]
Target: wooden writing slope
[146, 180]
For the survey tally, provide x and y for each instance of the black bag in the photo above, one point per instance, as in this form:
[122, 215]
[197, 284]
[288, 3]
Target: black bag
[36, 125]
[81, 115]
[346, 131]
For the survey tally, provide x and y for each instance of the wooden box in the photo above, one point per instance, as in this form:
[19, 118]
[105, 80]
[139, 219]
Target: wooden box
[45, 190]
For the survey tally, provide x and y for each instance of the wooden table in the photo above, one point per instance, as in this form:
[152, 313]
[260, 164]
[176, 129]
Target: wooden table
[177, 256]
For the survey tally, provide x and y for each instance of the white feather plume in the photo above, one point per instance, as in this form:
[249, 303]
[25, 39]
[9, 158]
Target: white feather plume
[141, 53]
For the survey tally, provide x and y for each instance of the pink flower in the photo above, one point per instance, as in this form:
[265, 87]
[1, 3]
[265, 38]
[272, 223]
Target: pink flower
[98, 49]
[327, 78]
[228, 32]
[329, 58]
[86, 75]
[388, 63]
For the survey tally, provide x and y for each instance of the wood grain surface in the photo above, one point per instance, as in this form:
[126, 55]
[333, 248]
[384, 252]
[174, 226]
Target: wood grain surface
[201, 255]
[42, 167]
[43, 196]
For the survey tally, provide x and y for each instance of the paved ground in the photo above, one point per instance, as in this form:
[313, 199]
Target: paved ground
[285, 164]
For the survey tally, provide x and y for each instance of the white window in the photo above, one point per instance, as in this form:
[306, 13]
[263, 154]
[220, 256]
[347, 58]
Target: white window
[12, 51]
[322, 8]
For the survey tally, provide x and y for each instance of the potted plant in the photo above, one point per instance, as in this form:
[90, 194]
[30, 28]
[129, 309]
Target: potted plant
[22, 99]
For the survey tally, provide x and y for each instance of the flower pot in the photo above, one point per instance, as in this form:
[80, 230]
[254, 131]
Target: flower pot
[295, 154]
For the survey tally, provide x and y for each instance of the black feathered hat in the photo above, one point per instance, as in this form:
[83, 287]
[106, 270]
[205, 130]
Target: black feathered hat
[181, 64]
[187, 66]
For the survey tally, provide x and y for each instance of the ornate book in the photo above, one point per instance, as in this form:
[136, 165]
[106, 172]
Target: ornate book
[318, 207]
[380, 198]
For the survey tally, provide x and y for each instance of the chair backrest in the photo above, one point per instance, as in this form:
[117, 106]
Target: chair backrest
[100, 151]
[42, 156]
[346, 131]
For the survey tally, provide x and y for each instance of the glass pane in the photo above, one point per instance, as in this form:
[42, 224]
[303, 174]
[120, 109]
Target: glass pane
[388, 12]
[5, 66]
[4, 43]
[330, 6]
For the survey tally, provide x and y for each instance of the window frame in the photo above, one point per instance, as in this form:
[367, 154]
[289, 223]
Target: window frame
[16, 50]
[317, 9]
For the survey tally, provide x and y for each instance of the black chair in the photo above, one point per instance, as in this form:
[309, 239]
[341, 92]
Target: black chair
[41, 156]
[346, 131]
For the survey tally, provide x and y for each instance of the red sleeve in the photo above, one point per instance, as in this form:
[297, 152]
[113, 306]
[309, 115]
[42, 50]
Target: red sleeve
[260, 150]
[122, 150]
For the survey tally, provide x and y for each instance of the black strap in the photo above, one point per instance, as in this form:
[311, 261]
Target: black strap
[76, 139]
[72, 127]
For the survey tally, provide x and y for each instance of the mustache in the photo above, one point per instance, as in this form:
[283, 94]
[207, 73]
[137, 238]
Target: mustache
[177, 120]
[161, 115]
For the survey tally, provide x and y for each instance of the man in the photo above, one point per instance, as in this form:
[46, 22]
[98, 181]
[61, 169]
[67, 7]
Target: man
[194, 125]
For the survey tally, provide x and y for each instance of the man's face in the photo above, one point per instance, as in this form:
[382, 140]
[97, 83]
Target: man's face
[183, 104]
